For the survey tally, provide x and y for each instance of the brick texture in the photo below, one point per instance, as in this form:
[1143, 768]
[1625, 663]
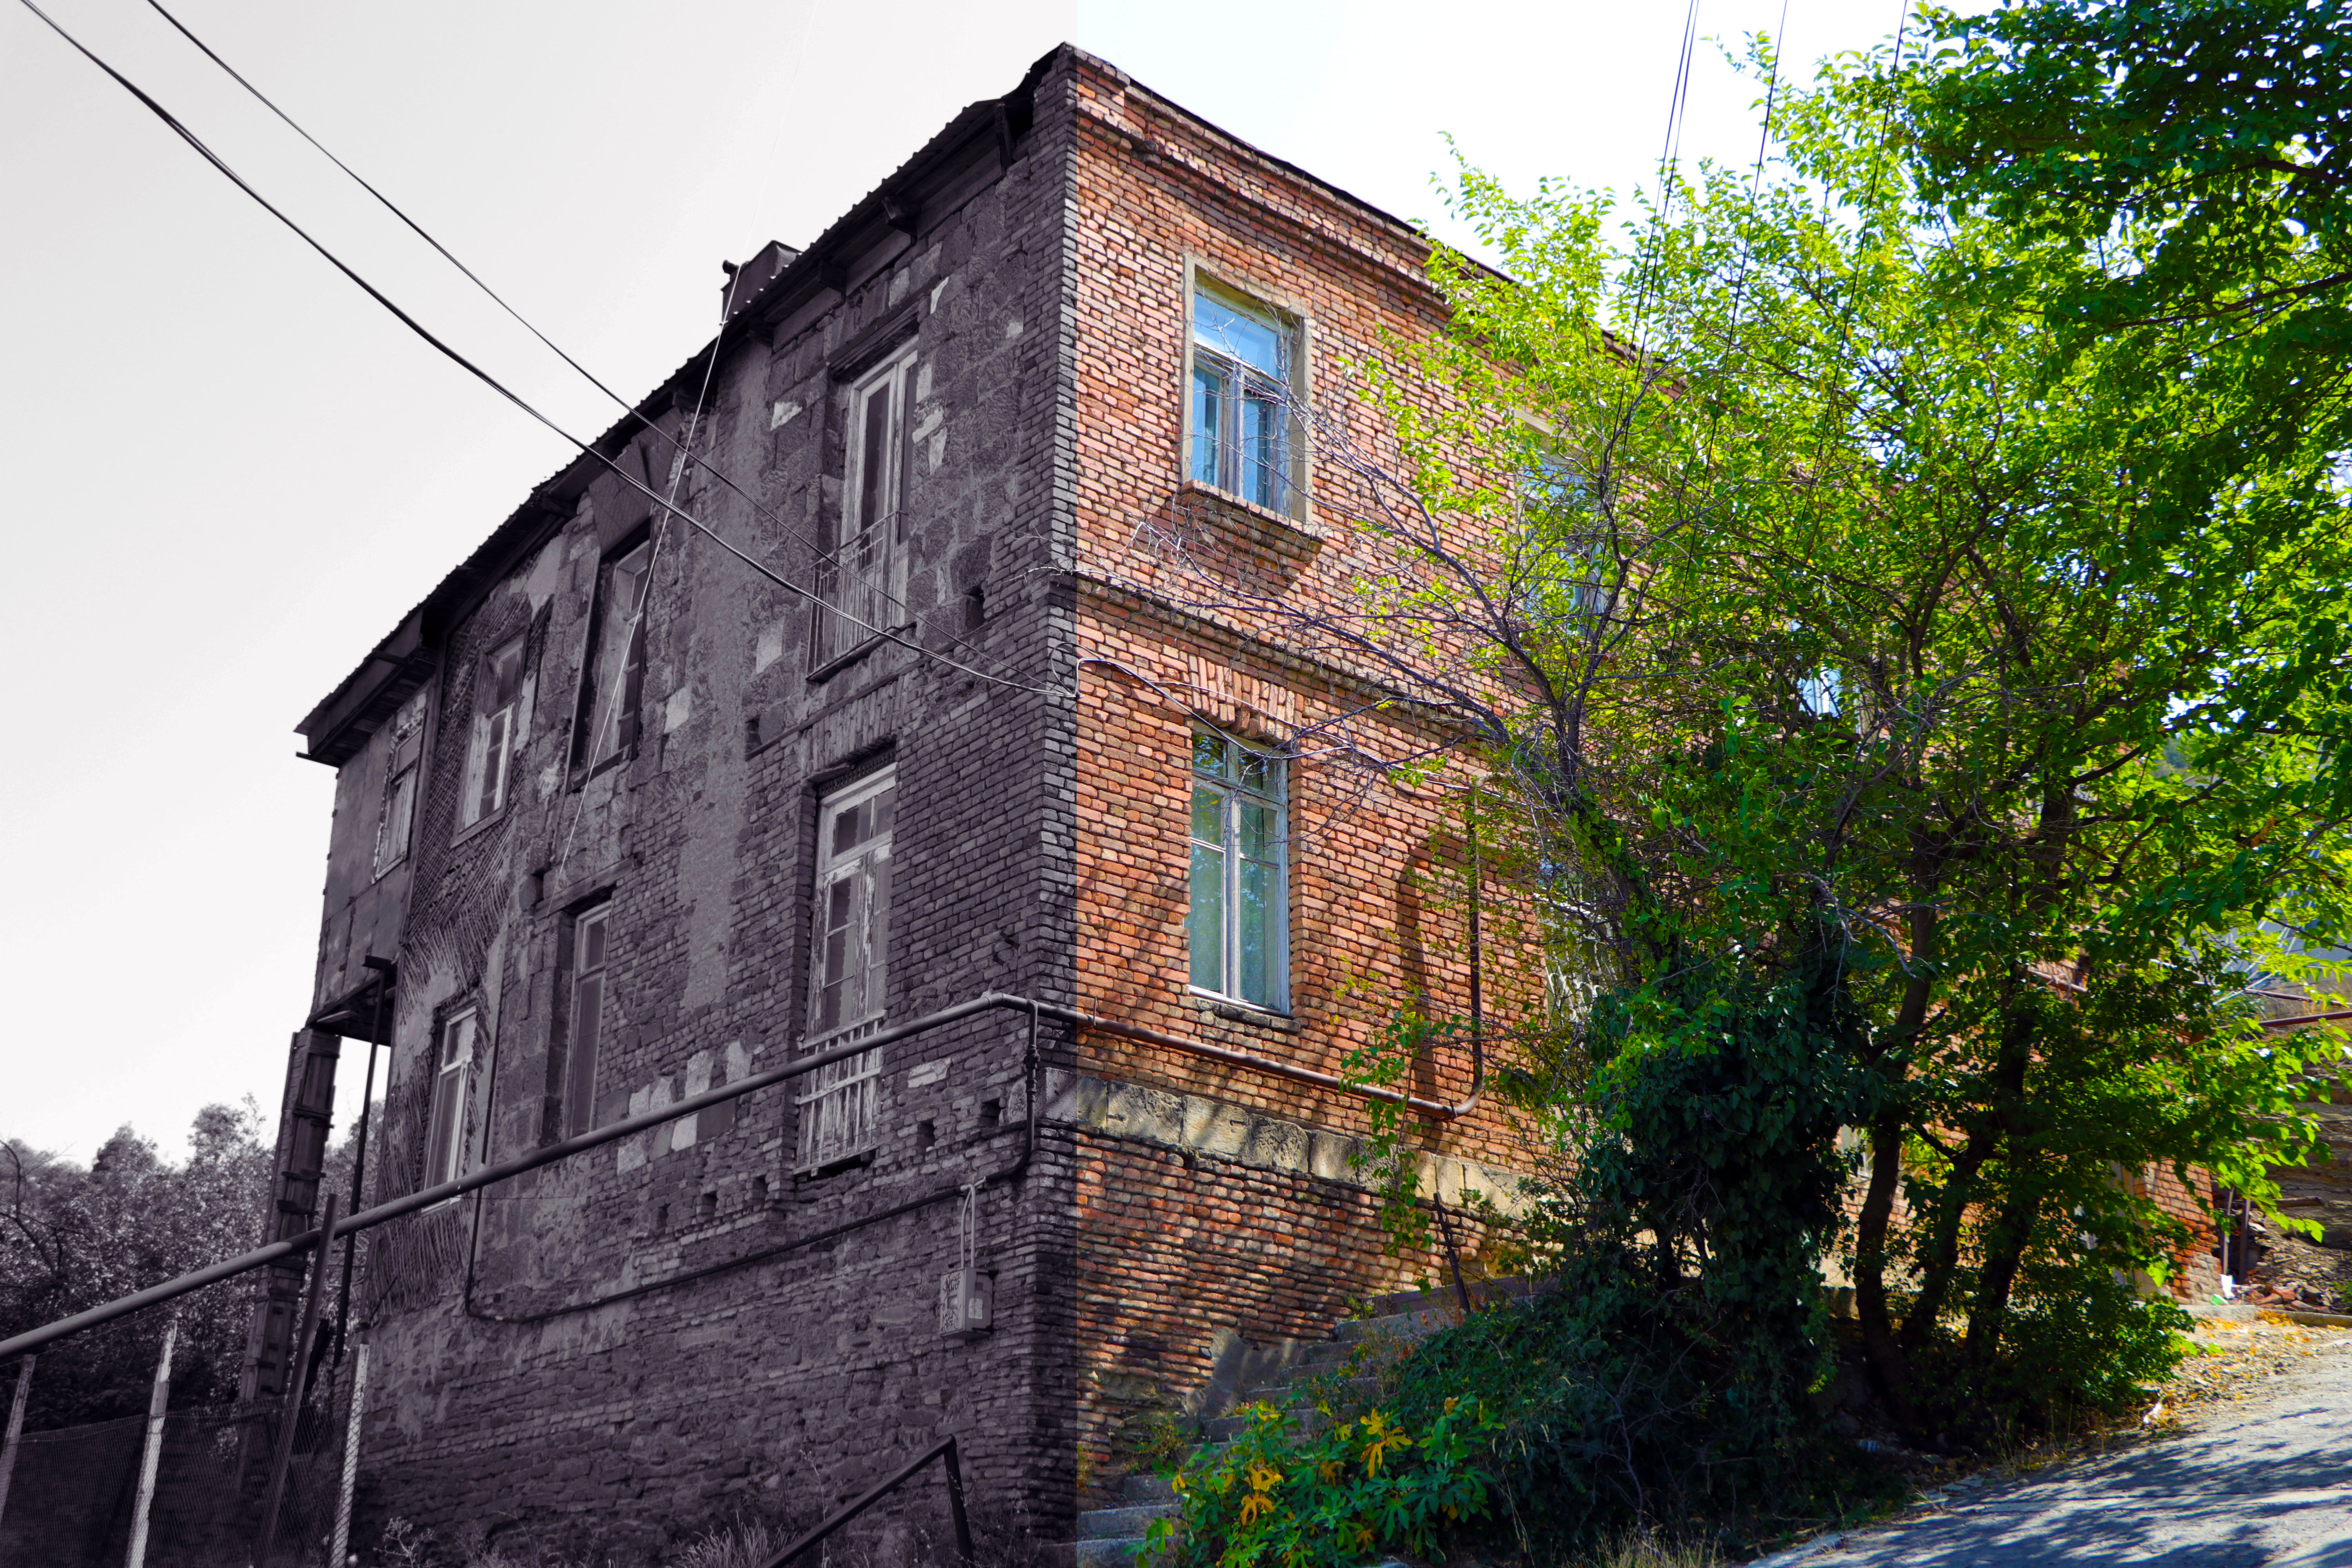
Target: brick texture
[640, 1338]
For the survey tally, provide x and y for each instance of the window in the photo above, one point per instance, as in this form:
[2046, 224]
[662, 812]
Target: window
[588, 958]
[612, 681]
[445, 1139]
[1240, 904]
[399, 814]
[866, 576]
[1556, 503]
[490, 761]
[1239, 418]
[848, 979]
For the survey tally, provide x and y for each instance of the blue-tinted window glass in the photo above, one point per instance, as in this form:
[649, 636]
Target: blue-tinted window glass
[1233, 332]
[1208, 412]
[1206, 923]
[1255, 938]
[1260, 451]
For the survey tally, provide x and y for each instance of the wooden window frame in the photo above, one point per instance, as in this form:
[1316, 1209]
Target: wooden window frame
[587, 992]
[858, 604]
[587, 759]
[449, 1094]
[854, 1082]
[396, 826]
[1229, 785]
[1285, 385]
[494, 737]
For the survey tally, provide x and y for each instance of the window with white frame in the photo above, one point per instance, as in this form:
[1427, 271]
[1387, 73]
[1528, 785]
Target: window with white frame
[398, 817]
[1239, 414]
[1238, 921]
[1575, 582]
[453, 1070]
[848, 979]
[591, 956]
[490, 759]
[612, 680]
[863, 578]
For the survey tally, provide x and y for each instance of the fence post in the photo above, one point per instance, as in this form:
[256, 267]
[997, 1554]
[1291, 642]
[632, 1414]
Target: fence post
[158, 1401]
[15, 1430]
[338, 1550]
[297, 1380]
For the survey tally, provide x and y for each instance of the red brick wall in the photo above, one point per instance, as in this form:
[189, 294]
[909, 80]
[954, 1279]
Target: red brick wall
[1173, 1247]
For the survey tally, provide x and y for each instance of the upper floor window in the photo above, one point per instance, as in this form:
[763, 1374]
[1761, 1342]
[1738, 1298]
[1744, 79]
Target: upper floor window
[398, 816]
[490, 759]
[864, 577]
[1239, 417]
[612, 680]
[1238, 922]
[453, 1058]
[591, 957]
[848, 978]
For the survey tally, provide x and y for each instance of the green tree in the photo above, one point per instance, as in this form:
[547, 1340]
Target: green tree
[72, 1237]
[2189, 156]
[1838, 622]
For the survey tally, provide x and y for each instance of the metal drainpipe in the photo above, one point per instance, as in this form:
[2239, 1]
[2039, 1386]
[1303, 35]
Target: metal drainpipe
[429, 1197]
[385, 970]
[1034, 1112]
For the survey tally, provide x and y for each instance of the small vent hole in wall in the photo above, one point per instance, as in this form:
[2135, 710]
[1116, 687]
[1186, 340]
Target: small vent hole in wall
[975, 608]
[991, 1113]
[926, 1134]
[759, 1192]
[709, 1207]
[661, 1219]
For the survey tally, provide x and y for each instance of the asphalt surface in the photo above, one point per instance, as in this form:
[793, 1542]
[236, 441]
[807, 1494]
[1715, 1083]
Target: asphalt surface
[2260, 1479]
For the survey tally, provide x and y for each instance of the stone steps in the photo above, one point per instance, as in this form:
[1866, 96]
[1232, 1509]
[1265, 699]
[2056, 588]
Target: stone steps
[1114, 1537]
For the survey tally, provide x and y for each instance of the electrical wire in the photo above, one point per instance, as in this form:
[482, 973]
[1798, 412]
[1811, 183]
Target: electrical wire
[497, 386]
[637, 619]
[830, 555]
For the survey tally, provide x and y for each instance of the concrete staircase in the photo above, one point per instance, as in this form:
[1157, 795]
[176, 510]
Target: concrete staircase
[1283, 1376]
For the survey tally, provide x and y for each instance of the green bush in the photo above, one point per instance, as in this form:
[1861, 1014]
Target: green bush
[1285, 1495]
[2091, 1346]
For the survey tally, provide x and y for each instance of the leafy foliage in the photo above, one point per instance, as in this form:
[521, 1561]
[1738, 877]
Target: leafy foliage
[1847, 610]
[1296, 1494]
[73, 1237]
[2189, 155]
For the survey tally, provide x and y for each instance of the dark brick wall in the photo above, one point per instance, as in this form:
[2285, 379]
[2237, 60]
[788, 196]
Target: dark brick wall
[525, 1375]
[675, 1324]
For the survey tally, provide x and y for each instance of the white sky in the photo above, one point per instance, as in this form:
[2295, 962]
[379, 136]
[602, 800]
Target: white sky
[230, 473]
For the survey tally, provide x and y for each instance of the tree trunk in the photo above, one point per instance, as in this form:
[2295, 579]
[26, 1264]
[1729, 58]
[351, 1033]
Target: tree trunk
[2005, 1244]
[1884, 1357]
[2006, 1238]
[1943, 1252]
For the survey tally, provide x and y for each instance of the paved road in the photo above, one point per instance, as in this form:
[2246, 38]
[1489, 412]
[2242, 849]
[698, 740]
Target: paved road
[2263, 1482]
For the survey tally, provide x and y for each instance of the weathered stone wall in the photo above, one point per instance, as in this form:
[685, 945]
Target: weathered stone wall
[634, 1340]
[675, 1324]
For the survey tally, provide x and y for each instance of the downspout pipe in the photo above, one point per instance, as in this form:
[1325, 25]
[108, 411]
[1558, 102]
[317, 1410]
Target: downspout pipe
[551, 1153]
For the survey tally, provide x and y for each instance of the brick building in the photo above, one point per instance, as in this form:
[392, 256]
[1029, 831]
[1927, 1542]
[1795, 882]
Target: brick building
[619, 817]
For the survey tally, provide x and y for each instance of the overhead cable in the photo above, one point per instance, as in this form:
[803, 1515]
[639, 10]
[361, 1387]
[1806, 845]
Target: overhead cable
[630, 410]
[497, 386]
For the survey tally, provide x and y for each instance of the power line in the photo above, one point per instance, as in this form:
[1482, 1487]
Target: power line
[487, 379]
[824, 554]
